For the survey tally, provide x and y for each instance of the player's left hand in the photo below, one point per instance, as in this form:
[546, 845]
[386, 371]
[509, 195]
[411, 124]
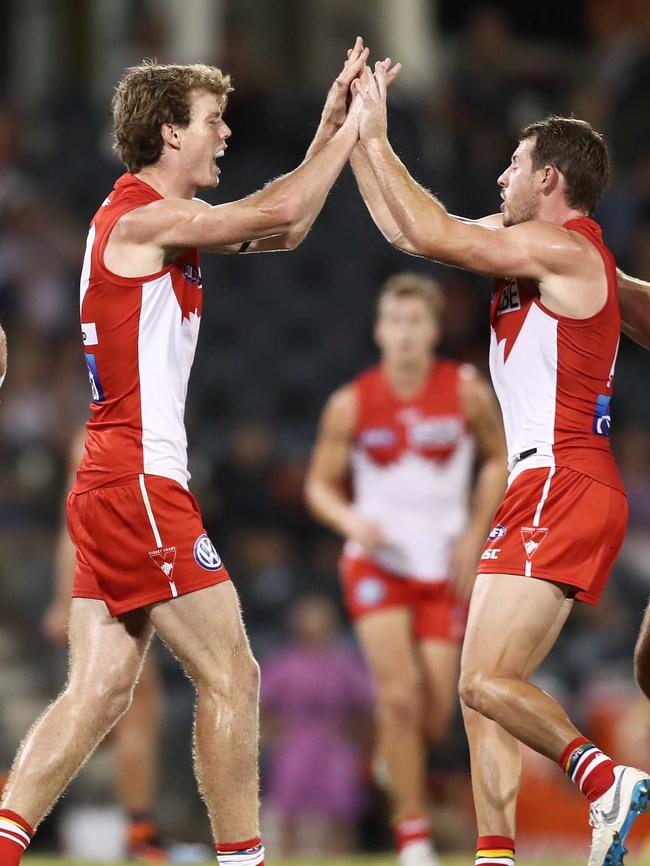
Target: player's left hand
[464, 562]
[339, 97]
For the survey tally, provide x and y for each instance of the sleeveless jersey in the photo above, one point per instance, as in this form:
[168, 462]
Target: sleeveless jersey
[554, 375]
[411, 466]
[139, 336]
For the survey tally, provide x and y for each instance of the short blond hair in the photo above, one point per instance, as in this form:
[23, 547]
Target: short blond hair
[409, 284]
[152, 94]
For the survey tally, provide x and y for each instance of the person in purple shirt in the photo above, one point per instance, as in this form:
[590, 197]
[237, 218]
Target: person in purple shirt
[316, 704]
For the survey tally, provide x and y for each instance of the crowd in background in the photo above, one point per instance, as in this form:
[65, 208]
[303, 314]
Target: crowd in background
[279, 333]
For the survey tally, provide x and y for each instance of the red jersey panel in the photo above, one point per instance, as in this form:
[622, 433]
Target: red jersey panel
[139, 339]
[411, 470]
[554, 375]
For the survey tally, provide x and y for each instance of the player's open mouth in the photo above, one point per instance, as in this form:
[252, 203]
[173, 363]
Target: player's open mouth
[219, 154]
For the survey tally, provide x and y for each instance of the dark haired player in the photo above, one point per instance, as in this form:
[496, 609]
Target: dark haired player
[555, 331]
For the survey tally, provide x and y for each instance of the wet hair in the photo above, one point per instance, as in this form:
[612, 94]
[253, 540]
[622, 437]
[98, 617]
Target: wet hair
[576, 150]
[409, 284]
[152, 94]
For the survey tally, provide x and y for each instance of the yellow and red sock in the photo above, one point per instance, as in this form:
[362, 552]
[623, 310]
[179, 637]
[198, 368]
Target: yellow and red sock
[495, 851]
[588, 768]
[15, 836]
[250, 852]
[413, 828]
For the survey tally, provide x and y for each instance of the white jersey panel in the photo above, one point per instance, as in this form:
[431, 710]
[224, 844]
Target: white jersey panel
[166, 347]
[526, 384]
[85, 269]
[421, 506]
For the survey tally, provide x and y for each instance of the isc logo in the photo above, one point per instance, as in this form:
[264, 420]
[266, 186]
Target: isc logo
[491, 553]
[509, 300]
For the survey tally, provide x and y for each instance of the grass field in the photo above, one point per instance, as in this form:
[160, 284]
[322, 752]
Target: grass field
[349, 861]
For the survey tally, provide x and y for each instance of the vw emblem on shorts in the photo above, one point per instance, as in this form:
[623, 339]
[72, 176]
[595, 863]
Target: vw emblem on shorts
[370, 591]
[205, 554]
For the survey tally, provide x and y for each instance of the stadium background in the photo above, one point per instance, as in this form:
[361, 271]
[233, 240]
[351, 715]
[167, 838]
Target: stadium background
[280, 332]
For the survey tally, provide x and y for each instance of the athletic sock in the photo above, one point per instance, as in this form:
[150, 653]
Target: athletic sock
[588, 768]
[250, 852]
[15, 836]
[141, 829]
[495, 850]
[413, 828]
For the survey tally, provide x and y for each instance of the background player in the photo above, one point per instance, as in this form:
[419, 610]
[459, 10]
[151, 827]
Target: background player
[555, 333]
[136, 736]
[408, 430]
[143, 558]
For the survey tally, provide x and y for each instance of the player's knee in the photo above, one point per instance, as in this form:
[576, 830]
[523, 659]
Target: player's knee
[473, 691]
[239, 679]
[400, 701]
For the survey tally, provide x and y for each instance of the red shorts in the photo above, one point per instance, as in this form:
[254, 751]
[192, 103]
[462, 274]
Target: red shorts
[558, 525]
[138, 542]
[438, 614]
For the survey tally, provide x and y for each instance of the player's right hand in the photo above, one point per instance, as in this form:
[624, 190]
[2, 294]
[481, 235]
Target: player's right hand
[366, 533]
[54, 624]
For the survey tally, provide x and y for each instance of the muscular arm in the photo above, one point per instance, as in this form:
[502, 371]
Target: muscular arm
[567, 268]
[288, 206]
[634, 300]
[378, 209]
[329, 466]
[484, 421]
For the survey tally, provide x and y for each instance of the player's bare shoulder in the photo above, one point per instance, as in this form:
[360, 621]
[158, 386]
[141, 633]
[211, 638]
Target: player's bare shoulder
[339, 418]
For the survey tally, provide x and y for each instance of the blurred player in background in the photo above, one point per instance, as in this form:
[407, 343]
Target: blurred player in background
[144, 560]
[408, 430]
[136, 736]
[555, 332]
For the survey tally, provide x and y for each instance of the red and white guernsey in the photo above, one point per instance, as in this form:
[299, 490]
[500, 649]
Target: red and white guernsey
[411, 471]
[554, 375]
[139, 339]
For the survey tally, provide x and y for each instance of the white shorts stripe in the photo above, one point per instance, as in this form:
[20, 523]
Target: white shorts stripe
[14, 839]
[599, 760]
[540, 504]
[147, 505]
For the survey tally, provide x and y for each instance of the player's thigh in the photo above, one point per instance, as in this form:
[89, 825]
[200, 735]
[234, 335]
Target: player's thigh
[512, 621]
[106, 653]
[388, 645]
[205, 630]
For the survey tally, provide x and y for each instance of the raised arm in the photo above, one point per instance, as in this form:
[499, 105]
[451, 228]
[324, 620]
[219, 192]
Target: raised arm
[325, 484]
[634, 300]
[537, 250]
[370, 189]
[483, 419]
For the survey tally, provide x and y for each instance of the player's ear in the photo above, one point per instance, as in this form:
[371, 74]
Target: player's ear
[169, 135]
[550, 179]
